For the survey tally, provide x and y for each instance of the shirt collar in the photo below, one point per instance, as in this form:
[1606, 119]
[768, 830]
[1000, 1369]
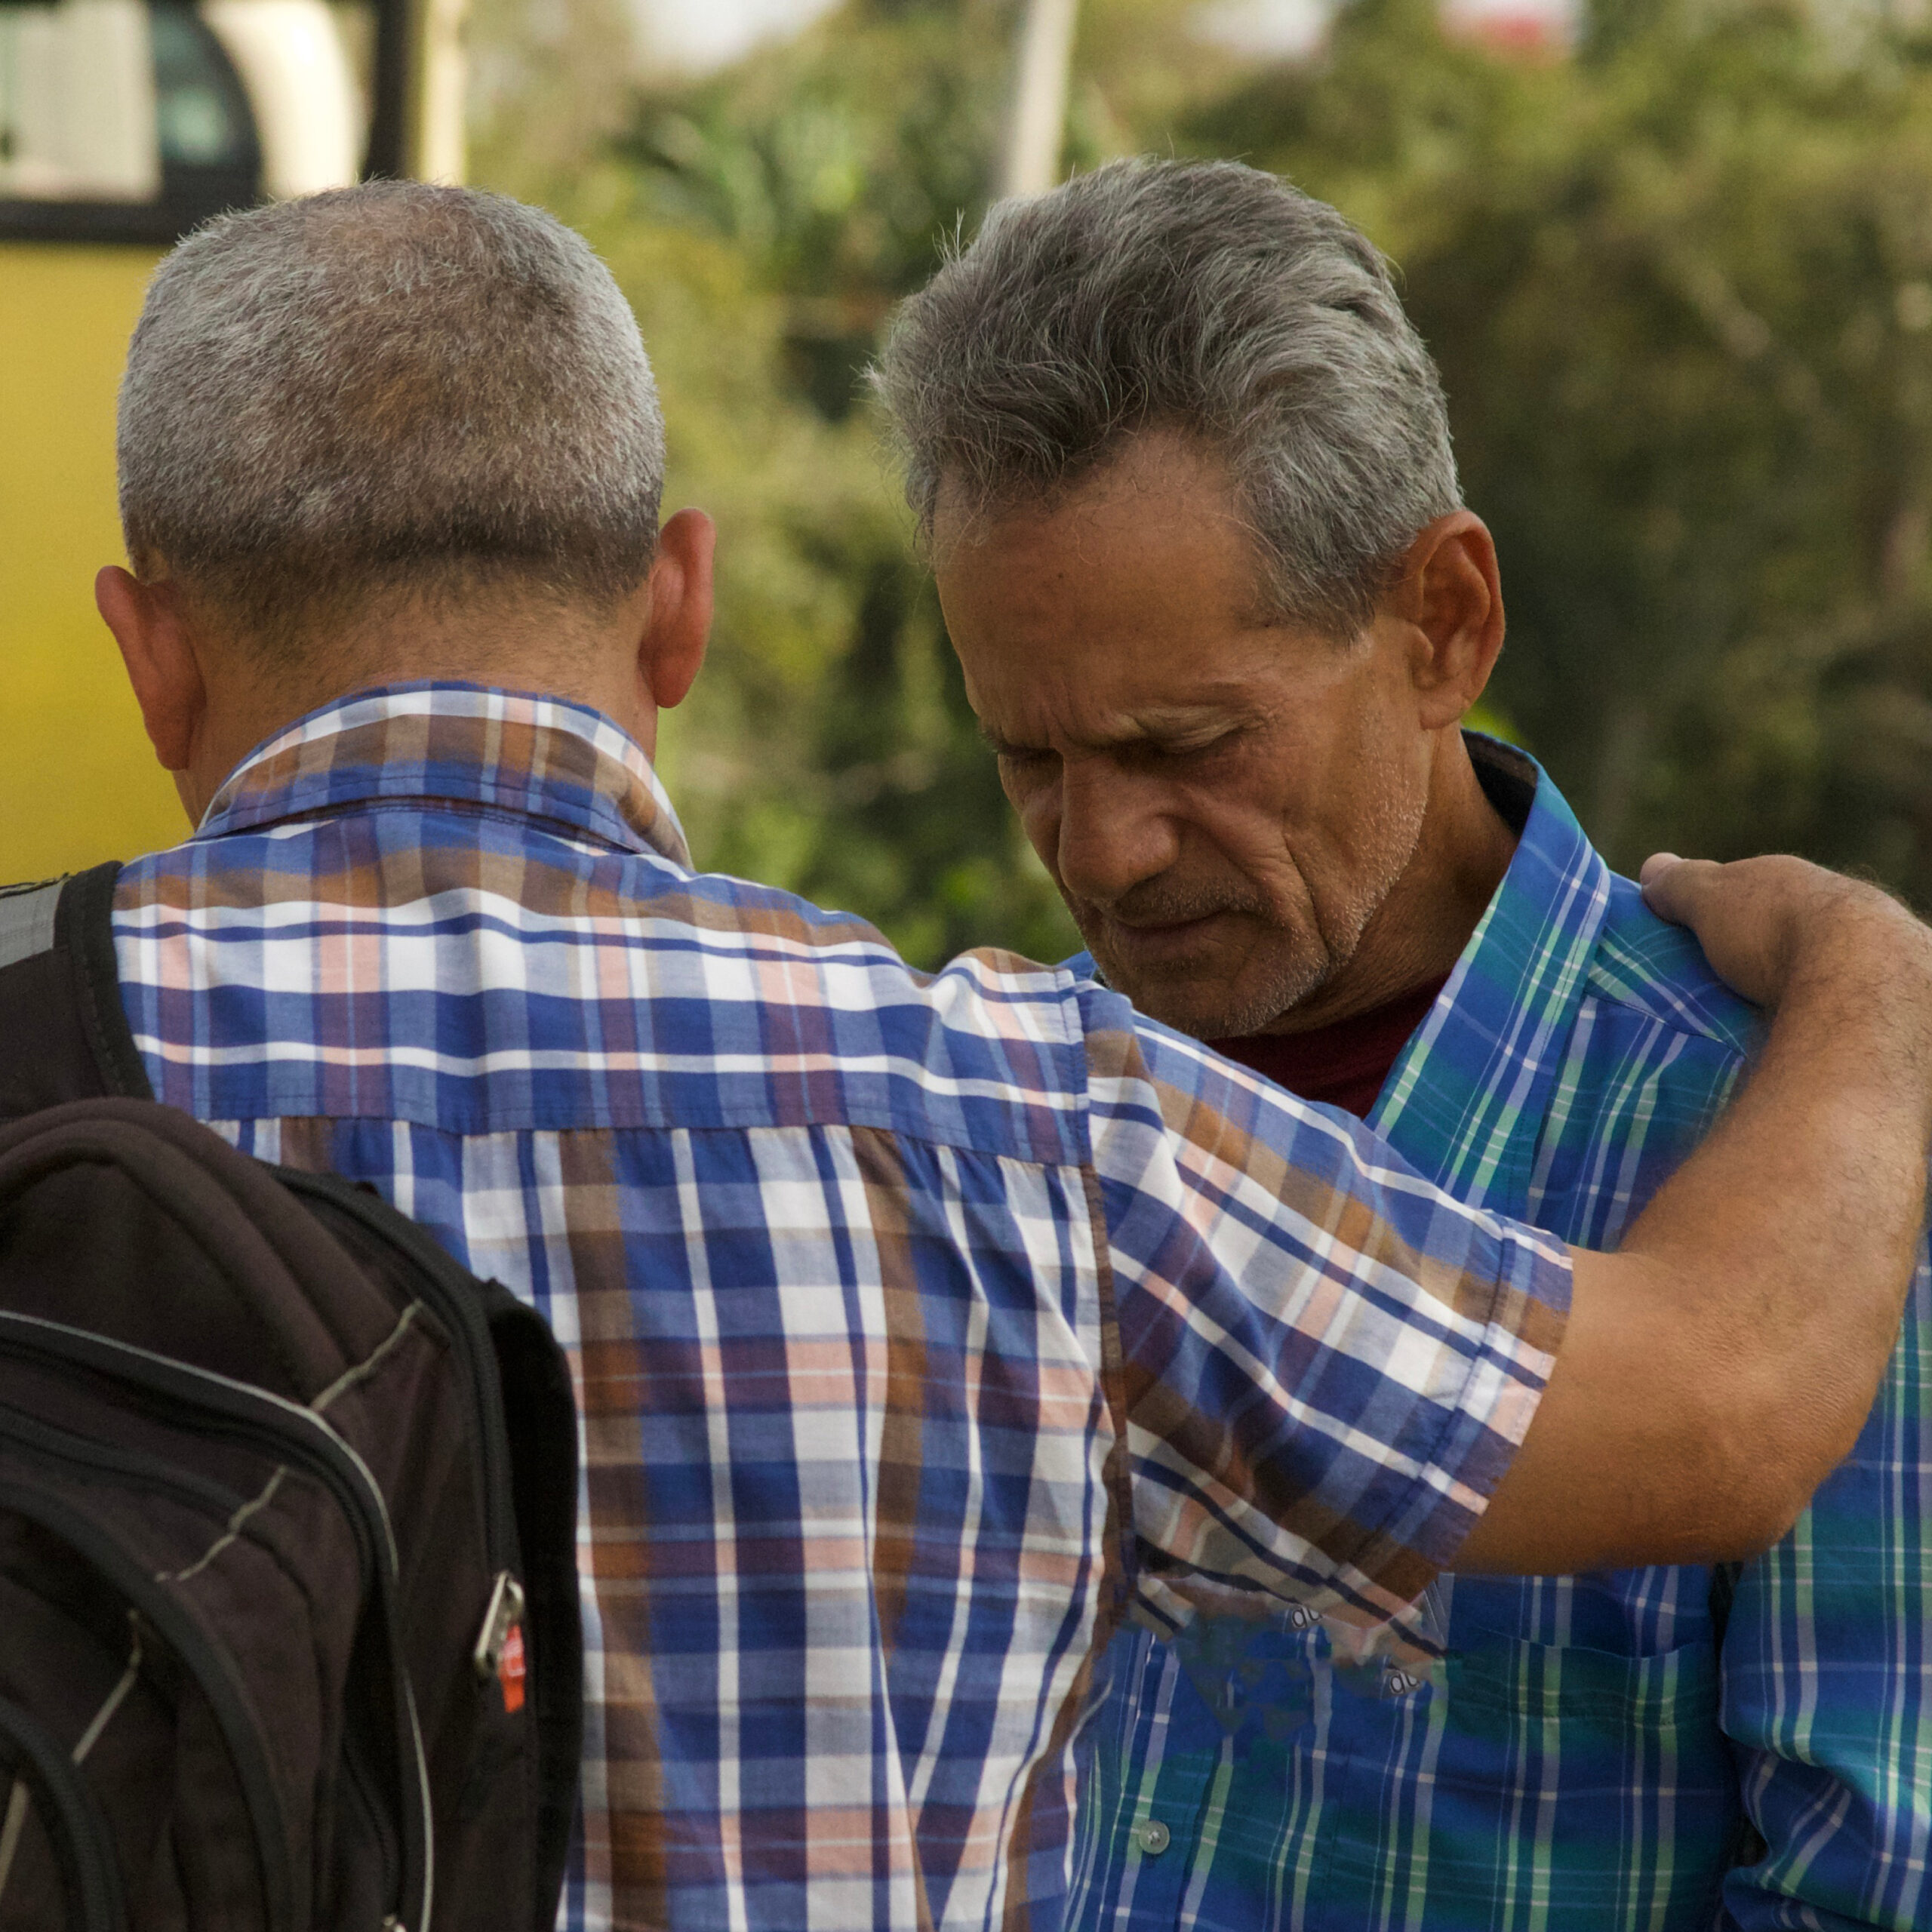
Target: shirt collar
[538, 757]
[1487, 1057]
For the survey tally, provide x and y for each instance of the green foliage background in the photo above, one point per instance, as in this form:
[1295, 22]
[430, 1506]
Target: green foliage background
[1680, 286]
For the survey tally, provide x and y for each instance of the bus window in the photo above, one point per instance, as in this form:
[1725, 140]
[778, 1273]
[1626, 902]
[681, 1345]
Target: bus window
[134, 120]
[77, 104]
[308, 105]
[211, 156]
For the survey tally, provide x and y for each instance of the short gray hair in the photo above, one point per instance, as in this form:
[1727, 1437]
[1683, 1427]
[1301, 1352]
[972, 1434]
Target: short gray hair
[393, 386]
[1205, 296]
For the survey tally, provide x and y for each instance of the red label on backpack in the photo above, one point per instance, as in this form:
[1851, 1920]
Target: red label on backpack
[510, 1669]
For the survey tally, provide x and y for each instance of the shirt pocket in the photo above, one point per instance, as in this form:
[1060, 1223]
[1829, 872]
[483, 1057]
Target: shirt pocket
[1595, 1783]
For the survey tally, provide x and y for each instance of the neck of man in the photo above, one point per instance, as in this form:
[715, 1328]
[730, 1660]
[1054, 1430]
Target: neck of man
[1418, 933]
[509, 645]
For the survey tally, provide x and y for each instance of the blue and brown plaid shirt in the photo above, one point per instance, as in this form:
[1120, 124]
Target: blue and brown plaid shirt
[914, 1319]
[1659, 1750]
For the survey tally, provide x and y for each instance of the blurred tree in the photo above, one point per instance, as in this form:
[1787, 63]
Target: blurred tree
[1680, 286]
[764, 222]
[1680, 290]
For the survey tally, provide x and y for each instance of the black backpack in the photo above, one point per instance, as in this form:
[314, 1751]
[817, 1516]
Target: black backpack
[288, 1612]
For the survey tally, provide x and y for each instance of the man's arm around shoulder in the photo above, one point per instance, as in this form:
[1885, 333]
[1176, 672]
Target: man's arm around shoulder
[1718, 1366]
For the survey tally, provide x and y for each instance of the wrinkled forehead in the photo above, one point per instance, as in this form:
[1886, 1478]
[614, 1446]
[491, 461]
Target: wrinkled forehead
[1127, 608]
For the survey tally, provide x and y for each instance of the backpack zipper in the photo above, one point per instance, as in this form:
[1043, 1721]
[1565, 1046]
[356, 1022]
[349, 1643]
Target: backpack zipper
[453, 1303]
[176, 1627]
[361, 1783]
[448, 1292]
[312, 1444]
[61, 1445]
[76, 1823]
[292, 1434]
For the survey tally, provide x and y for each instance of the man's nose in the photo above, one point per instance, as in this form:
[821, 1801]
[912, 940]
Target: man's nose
[1114, 832]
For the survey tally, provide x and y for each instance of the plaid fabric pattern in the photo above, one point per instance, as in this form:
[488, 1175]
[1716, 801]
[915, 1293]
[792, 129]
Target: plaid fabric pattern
[1667, 1749]
[912, 1317]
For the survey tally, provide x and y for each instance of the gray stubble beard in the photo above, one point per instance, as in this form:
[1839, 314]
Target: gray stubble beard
[1302, 973]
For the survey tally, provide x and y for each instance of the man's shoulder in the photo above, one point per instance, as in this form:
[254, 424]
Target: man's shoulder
[765, 1002]
[565, 890]
[1656, 973]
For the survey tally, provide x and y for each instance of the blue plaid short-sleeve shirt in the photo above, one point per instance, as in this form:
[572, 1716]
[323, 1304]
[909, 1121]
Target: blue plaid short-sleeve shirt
[1674, 1749]
[912, 1317]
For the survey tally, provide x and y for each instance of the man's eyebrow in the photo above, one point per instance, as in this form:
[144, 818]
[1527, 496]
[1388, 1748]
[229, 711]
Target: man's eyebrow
[1185, 721]
[1155, 725]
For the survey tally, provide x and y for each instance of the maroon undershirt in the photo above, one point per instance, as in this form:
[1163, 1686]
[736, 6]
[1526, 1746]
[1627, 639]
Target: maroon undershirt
[1344, 1064]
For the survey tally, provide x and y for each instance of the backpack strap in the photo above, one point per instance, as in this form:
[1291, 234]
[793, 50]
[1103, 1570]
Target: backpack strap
[27, 920]
[64, 1034]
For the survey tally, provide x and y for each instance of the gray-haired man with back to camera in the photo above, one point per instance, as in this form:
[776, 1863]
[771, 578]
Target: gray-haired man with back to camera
[911, 1316]
[1186, 468]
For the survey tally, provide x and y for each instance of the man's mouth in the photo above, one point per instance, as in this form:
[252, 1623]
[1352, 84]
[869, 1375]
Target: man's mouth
[1158, 942]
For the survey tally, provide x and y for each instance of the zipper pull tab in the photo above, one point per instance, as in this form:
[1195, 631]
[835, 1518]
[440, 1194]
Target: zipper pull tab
[499, 1652]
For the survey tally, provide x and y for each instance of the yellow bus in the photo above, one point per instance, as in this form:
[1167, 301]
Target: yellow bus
[123, 124]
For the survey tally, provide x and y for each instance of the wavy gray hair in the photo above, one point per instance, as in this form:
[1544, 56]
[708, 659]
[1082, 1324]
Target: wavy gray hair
[393, 386]
[1205, 296]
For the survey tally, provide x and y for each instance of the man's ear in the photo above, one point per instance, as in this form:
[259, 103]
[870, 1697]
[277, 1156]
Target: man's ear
[679, 623]
[1450, 593]
[157, 646]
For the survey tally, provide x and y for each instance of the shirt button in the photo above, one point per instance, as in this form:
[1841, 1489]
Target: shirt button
[1153, 1837]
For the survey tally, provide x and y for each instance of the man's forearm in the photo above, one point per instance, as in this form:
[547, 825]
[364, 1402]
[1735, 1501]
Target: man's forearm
[1793, 1234]
[1718, 1366]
